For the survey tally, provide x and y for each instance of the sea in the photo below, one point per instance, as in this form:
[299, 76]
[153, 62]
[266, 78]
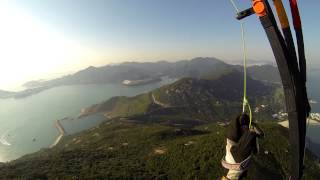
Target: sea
[27, 124]
[313, 132]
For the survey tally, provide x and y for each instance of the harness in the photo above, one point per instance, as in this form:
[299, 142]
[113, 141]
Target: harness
[242, 166]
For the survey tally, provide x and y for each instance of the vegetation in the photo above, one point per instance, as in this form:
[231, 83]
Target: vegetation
[266, 73]
[118, 150]
[130, 106]
[198, 99]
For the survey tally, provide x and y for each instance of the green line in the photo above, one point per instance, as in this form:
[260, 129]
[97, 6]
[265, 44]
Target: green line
[245, 102]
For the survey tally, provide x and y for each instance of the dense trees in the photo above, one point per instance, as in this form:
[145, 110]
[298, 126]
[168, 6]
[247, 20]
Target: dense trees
[116, 150]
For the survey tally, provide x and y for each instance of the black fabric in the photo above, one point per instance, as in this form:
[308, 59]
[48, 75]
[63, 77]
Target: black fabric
[244, 119]
[247, 145]
[233, 131]
[238, 131]
[236, 127]
[243, 175]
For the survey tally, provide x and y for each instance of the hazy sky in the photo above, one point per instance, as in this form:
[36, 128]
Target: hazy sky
[47, 38]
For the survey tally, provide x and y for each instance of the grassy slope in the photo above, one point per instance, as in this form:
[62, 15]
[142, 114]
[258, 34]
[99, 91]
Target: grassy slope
[209, 100]
[127, 106]
[120, 150]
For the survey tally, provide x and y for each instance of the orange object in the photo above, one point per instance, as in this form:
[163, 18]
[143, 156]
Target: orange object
[281, 13]
[259, 7]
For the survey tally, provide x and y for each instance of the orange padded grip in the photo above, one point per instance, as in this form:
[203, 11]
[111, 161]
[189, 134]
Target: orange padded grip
[259, 7]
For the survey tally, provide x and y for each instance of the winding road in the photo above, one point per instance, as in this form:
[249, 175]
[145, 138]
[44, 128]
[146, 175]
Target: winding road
[158, 102]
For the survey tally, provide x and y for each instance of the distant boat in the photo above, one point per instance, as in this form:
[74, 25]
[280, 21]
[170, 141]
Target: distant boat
[140, 82]
[313, 102]
[3, 140]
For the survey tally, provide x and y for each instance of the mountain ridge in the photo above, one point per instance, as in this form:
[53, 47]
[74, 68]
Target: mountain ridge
[200, 67]
[196, 67]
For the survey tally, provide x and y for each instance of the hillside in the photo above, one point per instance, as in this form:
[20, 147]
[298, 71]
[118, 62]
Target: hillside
[266, 73]
[120, 150]
[194, 99]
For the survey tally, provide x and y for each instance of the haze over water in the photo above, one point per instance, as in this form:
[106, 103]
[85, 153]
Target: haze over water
[33, 117]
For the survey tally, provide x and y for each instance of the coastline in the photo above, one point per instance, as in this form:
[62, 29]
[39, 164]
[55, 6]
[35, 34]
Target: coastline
[285, 123]
[62, 132]
[310, 144]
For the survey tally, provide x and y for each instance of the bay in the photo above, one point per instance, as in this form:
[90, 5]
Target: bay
[27, 124]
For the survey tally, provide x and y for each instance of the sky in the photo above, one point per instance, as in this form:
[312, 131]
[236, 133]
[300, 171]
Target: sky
[41, 39]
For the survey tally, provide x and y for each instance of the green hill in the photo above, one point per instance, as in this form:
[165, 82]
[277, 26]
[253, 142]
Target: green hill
[120, 150]
[198, 99]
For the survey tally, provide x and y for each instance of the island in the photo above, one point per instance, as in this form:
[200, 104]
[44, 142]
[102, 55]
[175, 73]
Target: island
[23, 93]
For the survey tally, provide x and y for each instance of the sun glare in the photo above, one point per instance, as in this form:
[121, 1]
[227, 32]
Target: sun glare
[29, 49]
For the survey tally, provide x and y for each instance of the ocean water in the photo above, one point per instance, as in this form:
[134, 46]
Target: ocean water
[313, 132]
[27, 125]
[313, 85]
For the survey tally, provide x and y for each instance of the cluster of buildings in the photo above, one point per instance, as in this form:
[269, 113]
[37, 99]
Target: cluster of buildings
[280, 116]
[283, 116]
[315, 116]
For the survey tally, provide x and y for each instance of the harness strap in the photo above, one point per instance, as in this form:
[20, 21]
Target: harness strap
[237, 166]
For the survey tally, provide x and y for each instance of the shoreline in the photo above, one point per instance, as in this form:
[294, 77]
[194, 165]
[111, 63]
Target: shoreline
[285, 123]
[310, 144]
[62, 132]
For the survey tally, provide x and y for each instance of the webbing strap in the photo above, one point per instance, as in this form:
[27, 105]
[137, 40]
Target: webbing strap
[292, 90]
[245, 102]
[237, 166]
[302, 68]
